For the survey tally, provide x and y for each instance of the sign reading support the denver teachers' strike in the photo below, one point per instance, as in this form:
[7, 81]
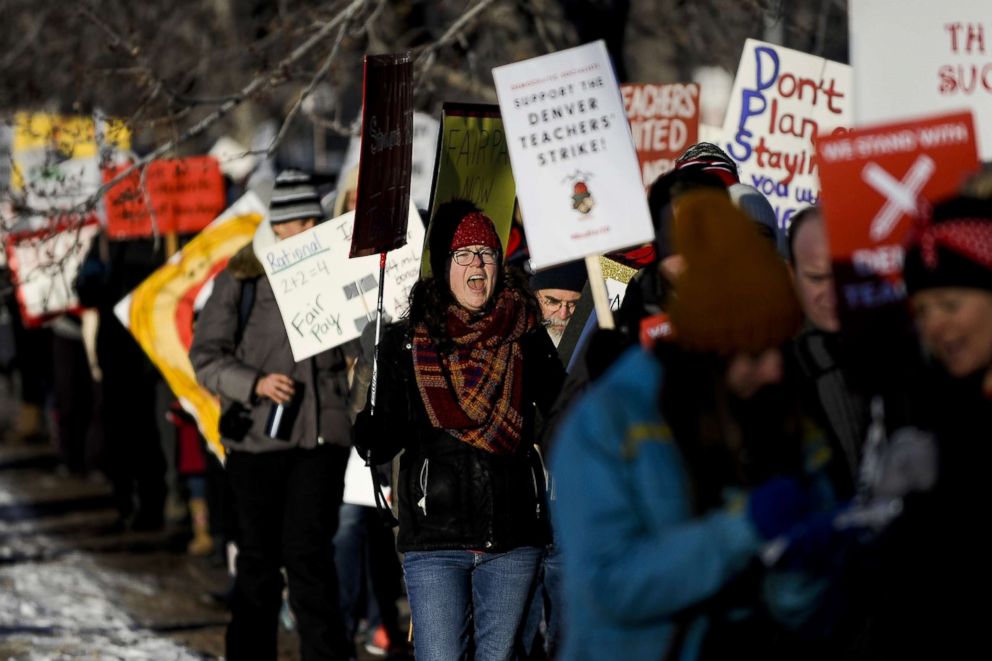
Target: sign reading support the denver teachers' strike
[578, 181]
[781, 102]
[913, 58]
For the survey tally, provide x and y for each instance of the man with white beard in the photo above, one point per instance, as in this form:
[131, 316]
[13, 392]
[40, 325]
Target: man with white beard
[558, 290]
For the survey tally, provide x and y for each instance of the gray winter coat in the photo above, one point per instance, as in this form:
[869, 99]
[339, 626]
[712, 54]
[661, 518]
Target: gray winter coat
[230, 370]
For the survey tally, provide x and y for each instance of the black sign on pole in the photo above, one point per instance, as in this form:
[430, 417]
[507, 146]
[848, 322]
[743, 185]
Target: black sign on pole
[386, 162]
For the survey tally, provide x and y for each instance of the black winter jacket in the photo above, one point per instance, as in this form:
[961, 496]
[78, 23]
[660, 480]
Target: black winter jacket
[451, 495]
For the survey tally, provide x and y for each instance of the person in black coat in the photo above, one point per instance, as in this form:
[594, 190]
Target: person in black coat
[461, 382]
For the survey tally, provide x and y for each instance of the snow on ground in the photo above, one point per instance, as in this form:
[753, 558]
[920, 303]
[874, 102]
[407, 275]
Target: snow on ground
[66, 610]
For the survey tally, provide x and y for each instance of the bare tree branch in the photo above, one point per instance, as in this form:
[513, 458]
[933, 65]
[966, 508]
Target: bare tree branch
[321, 73]
[247, 91]
[425, 59]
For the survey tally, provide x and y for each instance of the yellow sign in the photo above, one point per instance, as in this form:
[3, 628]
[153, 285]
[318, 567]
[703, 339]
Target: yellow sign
[160, 314]
[67, 137]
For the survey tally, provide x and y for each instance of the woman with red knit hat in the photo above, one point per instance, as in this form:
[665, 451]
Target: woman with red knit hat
[459, 383]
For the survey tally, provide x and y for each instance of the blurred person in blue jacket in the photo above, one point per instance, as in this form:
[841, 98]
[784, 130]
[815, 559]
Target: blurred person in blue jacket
[682, 467]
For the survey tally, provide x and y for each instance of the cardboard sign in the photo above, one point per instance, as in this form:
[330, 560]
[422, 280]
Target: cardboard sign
[44, 265]
[327, 299]
[578, 181]
[915, 58]
[387, 155]
[159, 313]
[782, 101]
[664, 122]
[186, 195]
[873, 180]
[616, 276]
[473, 163]
[57, 158]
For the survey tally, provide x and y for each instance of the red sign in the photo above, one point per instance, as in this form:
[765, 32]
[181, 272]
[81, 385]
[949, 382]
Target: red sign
[874, 181]
[186, 194]
[664, 121]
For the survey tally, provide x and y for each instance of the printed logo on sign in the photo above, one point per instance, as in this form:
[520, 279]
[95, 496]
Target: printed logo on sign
[582, 199]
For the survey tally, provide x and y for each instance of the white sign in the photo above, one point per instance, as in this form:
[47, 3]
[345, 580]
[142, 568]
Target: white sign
[358, 486]
[915, 58]
[782, 101]
[327, 299]
[45, 265]
[578, 181]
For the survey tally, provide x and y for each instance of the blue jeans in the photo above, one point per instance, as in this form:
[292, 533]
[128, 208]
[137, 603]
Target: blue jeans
[545, 606]
[453, 592]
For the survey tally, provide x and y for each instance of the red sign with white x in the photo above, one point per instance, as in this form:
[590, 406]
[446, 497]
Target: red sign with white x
[873, 183]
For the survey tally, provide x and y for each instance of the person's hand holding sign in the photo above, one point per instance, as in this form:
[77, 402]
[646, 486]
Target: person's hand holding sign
[277, 387]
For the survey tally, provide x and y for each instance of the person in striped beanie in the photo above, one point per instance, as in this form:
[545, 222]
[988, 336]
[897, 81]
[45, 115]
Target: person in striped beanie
[295, 204]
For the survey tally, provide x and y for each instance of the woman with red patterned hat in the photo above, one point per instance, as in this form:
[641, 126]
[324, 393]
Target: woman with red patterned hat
[460, 382]
[938, 547]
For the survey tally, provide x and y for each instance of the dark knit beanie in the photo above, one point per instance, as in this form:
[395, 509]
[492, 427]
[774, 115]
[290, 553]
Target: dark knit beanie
[952, 247]
[294, 198]
[570, 277]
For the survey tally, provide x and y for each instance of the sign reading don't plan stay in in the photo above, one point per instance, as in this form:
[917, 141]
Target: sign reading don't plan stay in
[578, 179]
[325, 298]
[783, 100]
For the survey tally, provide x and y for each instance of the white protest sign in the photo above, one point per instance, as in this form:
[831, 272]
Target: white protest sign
[358, 486]
[327, 299]
[44, 266]
[577, 175]
[915, 58]
[782, 100]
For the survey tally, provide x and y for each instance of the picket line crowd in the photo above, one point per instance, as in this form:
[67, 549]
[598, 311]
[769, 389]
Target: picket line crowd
[727, 472]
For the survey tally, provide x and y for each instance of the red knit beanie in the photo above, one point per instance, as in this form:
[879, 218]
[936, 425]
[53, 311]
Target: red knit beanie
[475, 229]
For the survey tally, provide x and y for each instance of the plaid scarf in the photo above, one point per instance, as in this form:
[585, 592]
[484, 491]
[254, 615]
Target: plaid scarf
[475, 392]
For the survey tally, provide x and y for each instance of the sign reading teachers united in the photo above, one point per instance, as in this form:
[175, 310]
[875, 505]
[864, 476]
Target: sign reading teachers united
[578, 180]
[325, 298]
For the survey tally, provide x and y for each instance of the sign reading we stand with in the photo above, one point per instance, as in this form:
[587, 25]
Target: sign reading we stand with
[874, 182]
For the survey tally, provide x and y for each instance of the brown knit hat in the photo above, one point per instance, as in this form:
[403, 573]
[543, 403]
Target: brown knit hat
[735, 294]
